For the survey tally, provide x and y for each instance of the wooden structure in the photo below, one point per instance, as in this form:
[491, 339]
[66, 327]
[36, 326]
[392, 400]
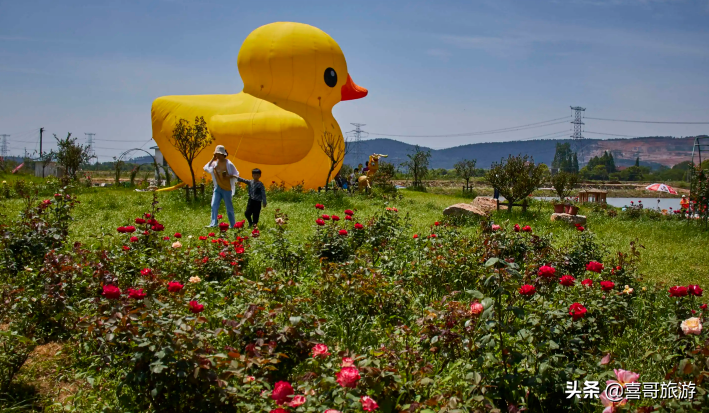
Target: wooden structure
[593, 195]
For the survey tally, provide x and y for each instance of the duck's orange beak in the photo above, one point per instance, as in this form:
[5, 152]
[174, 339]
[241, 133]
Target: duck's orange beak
[351, 91]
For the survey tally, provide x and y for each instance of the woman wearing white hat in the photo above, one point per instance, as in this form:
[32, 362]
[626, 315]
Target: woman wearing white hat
[224, 176]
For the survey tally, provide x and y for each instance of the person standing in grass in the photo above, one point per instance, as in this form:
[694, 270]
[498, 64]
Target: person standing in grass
[257, 196]
[224, 175]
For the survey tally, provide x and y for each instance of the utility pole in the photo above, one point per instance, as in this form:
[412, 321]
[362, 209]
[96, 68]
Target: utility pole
[41, 130]
[90, 143]
[357, 134]
[3, 148]
[578, 128]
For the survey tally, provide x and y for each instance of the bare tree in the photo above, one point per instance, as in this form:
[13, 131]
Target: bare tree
[465, 169]
[190, 141]
[335, 148]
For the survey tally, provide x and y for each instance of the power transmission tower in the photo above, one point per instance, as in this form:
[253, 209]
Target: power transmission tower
[3, 148]
[90, 143]
[356, 136]
[578, 129]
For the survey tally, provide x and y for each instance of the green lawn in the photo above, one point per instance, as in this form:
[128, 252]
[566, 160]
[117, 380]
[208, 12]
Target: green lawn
[675, 251]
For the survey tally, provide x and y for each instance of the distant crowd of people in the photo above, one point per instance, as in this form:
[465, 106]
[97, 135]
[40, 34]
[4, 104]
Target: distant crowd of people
[351, 182]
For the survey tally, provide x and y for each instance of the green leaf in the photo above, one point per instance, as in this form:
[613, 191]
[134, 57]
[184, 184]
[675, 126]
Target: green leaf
[491, 262]
[553, 345]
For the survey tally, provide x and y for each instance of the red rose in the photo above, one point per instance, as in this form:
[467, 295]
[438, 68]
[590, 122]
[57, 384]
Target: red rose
[335, 218]
[703, 306]
[546, 271]
[348, 377]
[202, 237]
[527, 289]
[517, 228]
[567, 281]
[326, 217]
[111, 292]
[219, 216]
[133, 239]
[239, 224]
[196, 307]
[416, 236]
[320, 222]
[139, 221]
[174, 286]
[239, 249]
[349, 212]
[368, 404]
[357, 225]
[678, 291]
[278, 410]
[136, 294]
[320, 350]
[594, 266]
[319, 206]
[527, 228]
[281, 391]
[607, 285]
[255, 233]
[587, 282]
[436, 223]
[130, 229]
[145, 272]
[348, 217]
[126, 248]
[211, 234]
[343, 232]
[178, 235]
[580, 228]
[146, 233]
[147, 215]
[223, 226]
[577, 311]
[695, 290]
[395, 210]
[122, 230]
[165, 238]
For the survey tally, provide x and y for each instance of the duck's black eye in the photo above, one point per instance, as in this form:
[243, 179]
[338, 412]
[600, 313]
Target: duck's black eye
[330, 77]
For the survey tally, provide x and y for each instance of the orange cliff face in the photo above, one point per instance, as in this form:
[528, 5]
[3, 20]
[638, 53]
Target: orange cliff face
[293, 76]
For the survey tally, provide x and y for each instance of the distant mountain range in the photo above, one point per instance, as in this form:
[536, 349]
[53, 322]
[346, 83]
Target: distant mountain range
[652, 151]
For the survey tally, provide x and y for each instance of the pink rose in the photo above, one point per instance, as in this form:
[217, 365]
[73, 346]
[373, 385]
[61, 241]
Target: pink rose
[624, 376]
[347, 362]
[320, 350]
[476, 308]
[496, 227]
[348, 377]
[368, 404]
[297, 401]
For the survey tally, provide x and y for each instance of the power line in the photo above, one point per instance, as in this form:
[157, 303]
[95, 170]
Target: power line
[650, 121]
[491, 131]
[357, 134]
[610, 134]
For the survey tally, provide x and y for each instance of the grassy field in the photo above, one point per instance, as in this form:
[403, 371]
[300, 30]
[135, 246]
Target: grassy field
[675, 251]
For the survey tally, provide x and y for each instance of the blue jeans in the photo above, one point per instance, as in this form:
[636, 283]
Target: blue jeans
[217, 197]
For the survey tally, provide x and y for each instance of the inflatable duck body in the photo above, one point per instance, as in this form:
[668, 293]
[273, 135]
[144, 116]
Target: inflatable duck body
[293, 75]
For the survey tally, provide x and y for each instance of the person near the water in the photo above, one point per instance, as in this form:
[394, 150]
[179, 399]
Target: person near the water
[684, 203]
[257, 196]
[224, 175]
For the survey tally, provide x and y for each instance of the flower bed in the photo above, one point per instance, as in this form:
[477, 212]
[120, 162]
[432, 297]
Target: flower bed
[363, 315]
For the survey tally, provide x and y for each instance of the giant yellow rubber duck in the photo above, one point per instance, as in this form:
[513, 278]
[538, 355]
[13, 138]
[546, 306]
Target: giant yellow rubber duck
[293, 75]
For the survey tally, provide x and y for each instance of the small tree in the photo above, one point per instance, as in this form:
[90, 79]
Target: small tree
[117, 165]
[564, 183]
[516, 178]
[335, 149]
[190, 141]
[418, 165]
[465, 169]
[45, 159]
[72, 155]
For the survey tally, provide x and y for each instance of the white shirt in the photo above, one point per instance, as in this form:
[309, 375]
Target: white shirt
[230, 168]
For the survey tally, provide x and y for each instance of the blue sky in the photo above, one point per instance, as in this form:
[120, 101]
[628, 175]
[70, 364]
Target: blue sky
[431, 67]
